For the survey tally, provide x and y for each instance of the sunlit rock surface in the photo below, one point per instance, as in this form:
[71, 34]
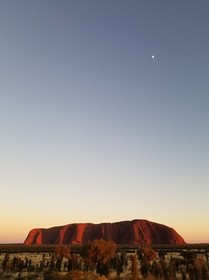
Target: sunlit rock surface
[126, 232]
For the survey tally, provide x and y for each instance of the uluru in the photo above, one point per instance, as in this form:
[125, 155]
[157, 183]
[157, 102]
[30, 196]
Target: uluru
[125, 232]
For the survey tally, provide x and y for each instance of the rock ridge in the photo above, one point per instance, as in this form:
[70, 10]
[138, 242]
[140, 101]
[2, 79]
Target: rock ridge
[125, 232]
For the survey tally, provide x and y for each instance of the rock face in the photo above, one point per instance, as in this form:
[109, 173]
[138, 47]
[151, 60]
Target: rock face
[127, 232]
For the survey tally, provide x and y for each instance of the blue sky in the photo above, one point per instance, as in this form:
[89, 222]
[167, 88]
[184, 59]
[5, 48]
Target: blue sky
[93, 129]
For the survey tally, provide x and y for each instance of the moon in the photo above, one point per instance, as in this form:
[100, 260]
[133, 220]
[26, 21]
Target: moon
[153, 57]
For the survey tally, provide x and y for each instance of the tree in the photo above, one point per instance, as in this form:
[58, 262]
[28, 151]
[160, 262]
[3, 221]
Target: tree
[5, 261]
[100, 252]
[134, 267]
[148, 253]
[60, 253]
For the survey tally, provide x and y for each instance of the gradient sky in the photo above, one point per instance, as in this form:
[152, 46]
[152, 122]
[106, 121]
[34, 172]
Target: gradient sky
[92, 128]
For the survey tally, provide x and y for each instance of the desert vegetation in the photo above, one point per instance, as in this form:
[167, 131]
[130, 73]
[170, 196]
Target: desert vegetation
[102, 259]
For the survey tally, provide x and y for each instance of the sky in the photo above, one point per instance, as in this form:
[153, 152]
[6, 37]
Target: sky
[104, 114]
